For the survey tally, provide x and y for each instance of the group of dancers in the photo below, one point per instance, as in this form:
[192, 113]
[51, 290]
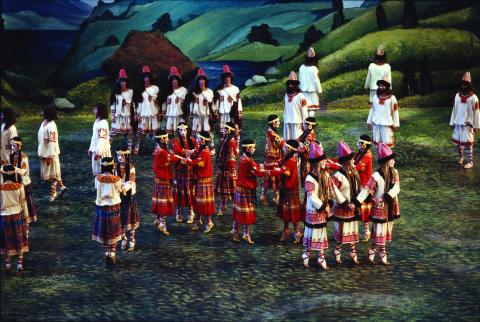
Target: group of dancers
[186, 182]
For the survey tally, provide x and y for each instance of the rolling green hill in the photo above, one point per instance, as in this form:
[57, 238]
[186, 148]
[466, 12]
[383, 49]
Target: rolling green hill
[467, 19]
[249, 51]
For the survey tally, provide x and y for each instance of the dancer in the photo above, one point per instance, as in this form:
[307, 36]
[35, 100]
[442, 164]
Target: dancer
[289, 208]
[128, 207]
[383, 117]
[345, 213]
[147, 108]
[204, 204]
[273, 154]
[225, 168]
[384, 186]
[49, 152]
[244, 202]
[13, 218]
[376, 71]
[162, 198]
[123, 110]
[201, 106]
[227, 101]
[99, 144]
[9, 131]
[183, 193]
[19, 159]
[174, 106]
[310, 82]
[465, 120]
[320, 190]
[364, 165]
[107, 224]
[295, 109]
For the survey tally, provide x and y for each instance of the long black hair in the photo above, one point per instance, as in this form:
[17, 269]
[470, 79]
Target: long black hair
[50, 113]
[9, 118]
[12, 177]
[117, 90]
[102, 111]
[196, 87]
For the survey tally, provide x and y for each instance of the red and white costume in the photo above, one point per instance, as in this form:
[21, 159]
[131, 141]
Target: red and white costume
[383, 117]
[465, 118]
[7, 135]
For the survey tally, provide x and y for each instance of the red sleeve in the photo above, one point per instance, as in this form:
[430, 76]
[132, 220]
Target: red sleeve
[177, 148]
[276, 173]
[333, 166]
[160, 162]
[254, 168]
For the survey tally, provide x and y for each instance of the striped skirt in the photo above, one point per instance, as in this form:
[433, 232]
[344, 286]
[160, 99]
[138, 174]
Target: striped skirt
[244, 206]
[204, 204]
[225, 182]
[289, 208]
[162, 198]
[183, 190]
[129, 213]
[107, 225]
[13, 235]
[32, 208]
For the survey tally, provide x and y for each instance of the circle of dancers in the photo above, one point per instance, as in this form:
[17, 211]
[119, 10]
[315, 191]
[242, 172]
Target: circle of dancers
[343, 189]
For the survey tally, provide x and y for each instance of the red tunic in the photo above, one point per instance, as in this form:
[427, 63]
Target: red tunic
[244, 201]
[204, 204]
[289, 208]
[248, 171]
[203, 164]
[365, 167]
[162, 164]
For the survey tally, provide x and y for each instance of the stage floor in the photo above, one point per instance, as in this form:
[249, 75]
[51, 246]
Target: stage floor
[435, 271]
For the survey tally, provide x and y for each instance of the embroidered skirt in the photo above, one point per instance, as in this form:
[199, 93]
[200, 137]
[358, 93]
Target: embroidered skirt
[244, 206]
[225, 182]
[315, 238]
[382, 232]
[32, 208]
[50, 171]
[346, 232]
[289, 208]
[313, 101]
[204, 204]
[129, 213]
[162, 198]
[462, 135]
[13, 235]
[107, 225]
[383, 134]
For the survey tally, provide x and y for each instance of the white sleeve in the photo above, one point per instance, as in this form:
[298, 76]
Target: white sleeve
[476, 113]
[370, 116]
[369, 77]
[318, 86]
[396, 188]
[454, 112]
[396, 117]
[389, 73]
[102, 146]
[23, 202]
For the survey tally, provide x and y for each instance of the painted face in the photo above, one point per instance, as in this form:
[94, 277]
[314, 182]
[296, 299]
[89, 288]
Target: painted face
[174, 84]
[391, 163]
[199, 140]
[14, 147]
[251, 149]
[359, 144]
[201, 83]
[95, 110]
[276, 124]
[323, 164]
[120, 158]
[382, 87]
[165, 140]
[182, 132]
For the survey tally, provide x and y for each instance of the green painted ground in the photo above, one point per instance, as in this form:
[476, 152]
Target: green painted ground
[435, 271]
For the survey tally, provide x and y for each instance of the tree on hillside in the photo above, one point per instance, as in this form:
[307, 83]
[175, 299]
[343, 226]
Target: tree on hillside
[381, 17]
[111, 41]
[338, 17]
[409, 80]
[261, 34]
[410, 18]
[426, 80]
[311, 36]
[163, 24]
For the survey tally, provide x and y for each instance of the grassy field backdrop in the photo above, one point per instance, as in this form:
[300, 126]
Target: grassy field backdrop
[435, 271]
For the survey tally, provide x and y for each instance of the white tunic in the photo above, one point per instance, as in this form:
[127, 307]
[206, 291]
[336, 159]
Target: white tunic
[295, 108]
[309, 80]
[463, 114]
[13, 199]
[148, 108]
[99, 144]
[48, 145]
[199, 106]
[227, 97]
[108, 190]
[24, 170]
[376, 73]
[173, 104]
[121, 110]
[384, 114]
[7, 135]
